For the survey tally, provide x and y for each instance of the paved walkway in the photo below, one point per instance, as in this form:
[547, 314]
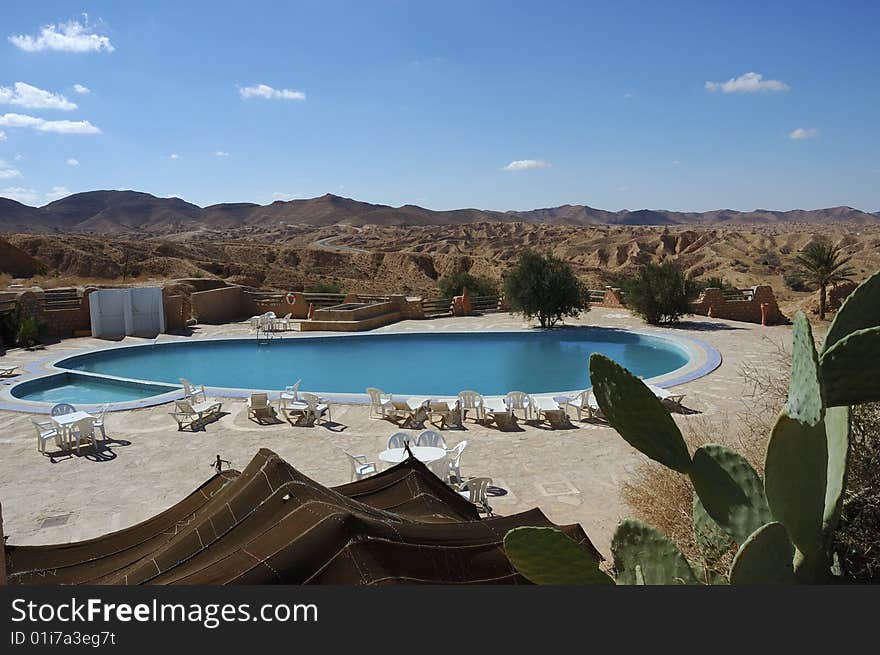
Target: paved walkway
[573, 475]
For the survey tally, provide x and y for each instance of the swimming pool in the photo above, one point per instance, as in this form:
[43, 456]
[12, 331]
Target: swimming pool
[414, 363]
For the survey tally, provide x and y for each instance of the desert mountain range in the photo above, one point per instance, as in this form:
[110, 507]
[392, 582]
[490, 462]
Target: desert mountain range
[126, 212]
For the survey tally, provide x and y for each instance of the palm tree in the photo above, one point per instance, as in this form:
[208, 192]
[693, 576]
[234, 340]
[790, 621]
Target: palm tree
[823, 264]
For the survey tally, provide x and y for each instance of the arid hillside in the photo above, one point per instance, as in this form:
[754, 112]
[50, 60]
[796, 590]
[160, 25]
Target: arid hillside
[134, 212]
[412, 259]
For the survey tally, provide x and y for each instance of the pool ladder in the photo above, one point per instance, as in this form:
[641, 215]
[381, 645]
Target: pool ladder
[264, 336]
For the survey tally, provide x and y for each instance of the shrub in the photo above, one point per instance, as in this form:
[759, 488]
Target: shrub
[713, 282]
[795, 282]
[660, 294]
[544, 287]
[324, 287]
[452, 285]
[27, 333]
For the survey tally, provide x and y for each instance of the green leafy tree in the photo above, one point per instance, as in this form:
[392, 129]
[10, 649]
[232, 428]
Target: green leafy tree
[822, 264]
[544, 287]
[324, 287]
[660, 294]
[452, 285]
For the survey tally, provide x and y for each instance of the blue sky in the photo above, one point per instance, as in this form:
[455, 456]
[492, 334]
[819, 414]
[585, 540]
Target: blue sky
[602, 103]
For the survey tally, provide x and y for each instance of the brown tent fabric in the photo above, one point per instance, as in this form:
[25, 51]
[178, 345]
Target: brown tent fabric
[270, 524]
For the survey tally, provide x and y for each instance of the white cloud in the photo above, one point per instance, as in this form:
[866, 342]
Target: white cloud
[42, 125]
[221, 153]
[72, 36]
[623, 188]
[526, 165]
[72, 162]
[747, 83]
[57, 192]
[267, 92]
[18, 157]
[802, 133]
[82, 90]
[32, 97]
[7, 173]
[2, 135]
[173, 155]
[27, 196]
[278, 195]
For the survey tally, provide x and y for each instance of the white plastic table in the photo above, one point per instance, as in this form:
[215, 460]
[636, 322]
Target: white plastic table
[425, 454]
[65, 421]
[433, 458]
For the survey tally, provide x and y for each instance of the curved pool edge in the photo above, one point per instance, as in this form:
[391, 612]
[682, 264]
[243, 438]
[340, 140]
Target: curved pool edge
[703, 358]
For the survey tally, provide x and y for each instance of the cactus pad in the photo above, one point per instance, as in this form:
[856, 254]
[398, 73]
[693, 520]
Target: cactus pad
[850, 369]
[837, 430]
[804, 390]
[710, 537]
[730, 490]
[795, 480]
[637, 415]
[547, 556]
[765, 558]
[636, 544]
[860, 310]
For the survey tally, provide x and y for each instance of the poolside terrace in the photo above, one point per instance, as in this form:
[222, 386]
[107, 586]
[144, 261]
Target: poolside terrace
[574, 475]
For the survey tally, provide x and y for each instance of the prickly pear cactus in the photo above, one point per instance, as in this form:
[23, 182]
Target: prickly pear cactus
[805, 397]
[711, 538]
[636, 544]
[730, 490]
[548, 556]
[850, 369]
[637, 415]
[765, 558]
[860, 310]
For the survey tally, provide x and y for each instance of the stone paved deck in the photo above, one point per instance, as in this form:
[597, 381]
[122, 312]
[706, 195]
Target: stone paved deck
[573, 475]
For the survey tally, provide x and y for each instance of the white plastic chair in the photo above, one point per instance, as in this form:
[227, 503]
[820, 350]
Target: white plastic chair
[7, 371]
[519, 400]
[61, 409]
[471, 401]
[193, 393]
[475, 490]
[453, 458]
[82, 430]
[432, 439]
[311, 407]
[360, 467]
[398, 439]
[46, 432]
[99, 420]
[584, 402]
[380, 403]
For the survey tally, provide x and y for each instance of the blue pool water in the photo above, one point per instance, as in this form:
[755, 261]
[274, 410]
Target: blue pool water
[416, 364]
[82, 389]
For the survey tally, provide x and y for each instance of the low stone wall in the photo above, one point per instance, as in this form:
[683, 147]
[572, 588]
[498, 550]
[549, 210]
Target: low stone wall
[760, 308]
[218, 305]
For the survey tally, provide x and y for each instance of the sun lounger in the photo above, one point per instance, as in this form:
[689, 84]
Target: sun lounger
[669, 399]
[500, 413]
[7, 371]
[258, 407]
[550, 411]
[584, 402]
[447, 414]
[189, 413]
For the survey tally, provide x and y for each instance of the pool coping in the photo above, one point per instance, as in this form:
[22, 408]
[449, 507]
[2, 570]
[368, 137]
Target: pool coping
[703, 358]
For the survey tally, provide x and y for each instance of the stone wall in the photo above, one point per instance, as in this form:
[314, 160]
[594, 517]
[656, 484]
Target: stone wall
[760, 308]
[218, 305]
